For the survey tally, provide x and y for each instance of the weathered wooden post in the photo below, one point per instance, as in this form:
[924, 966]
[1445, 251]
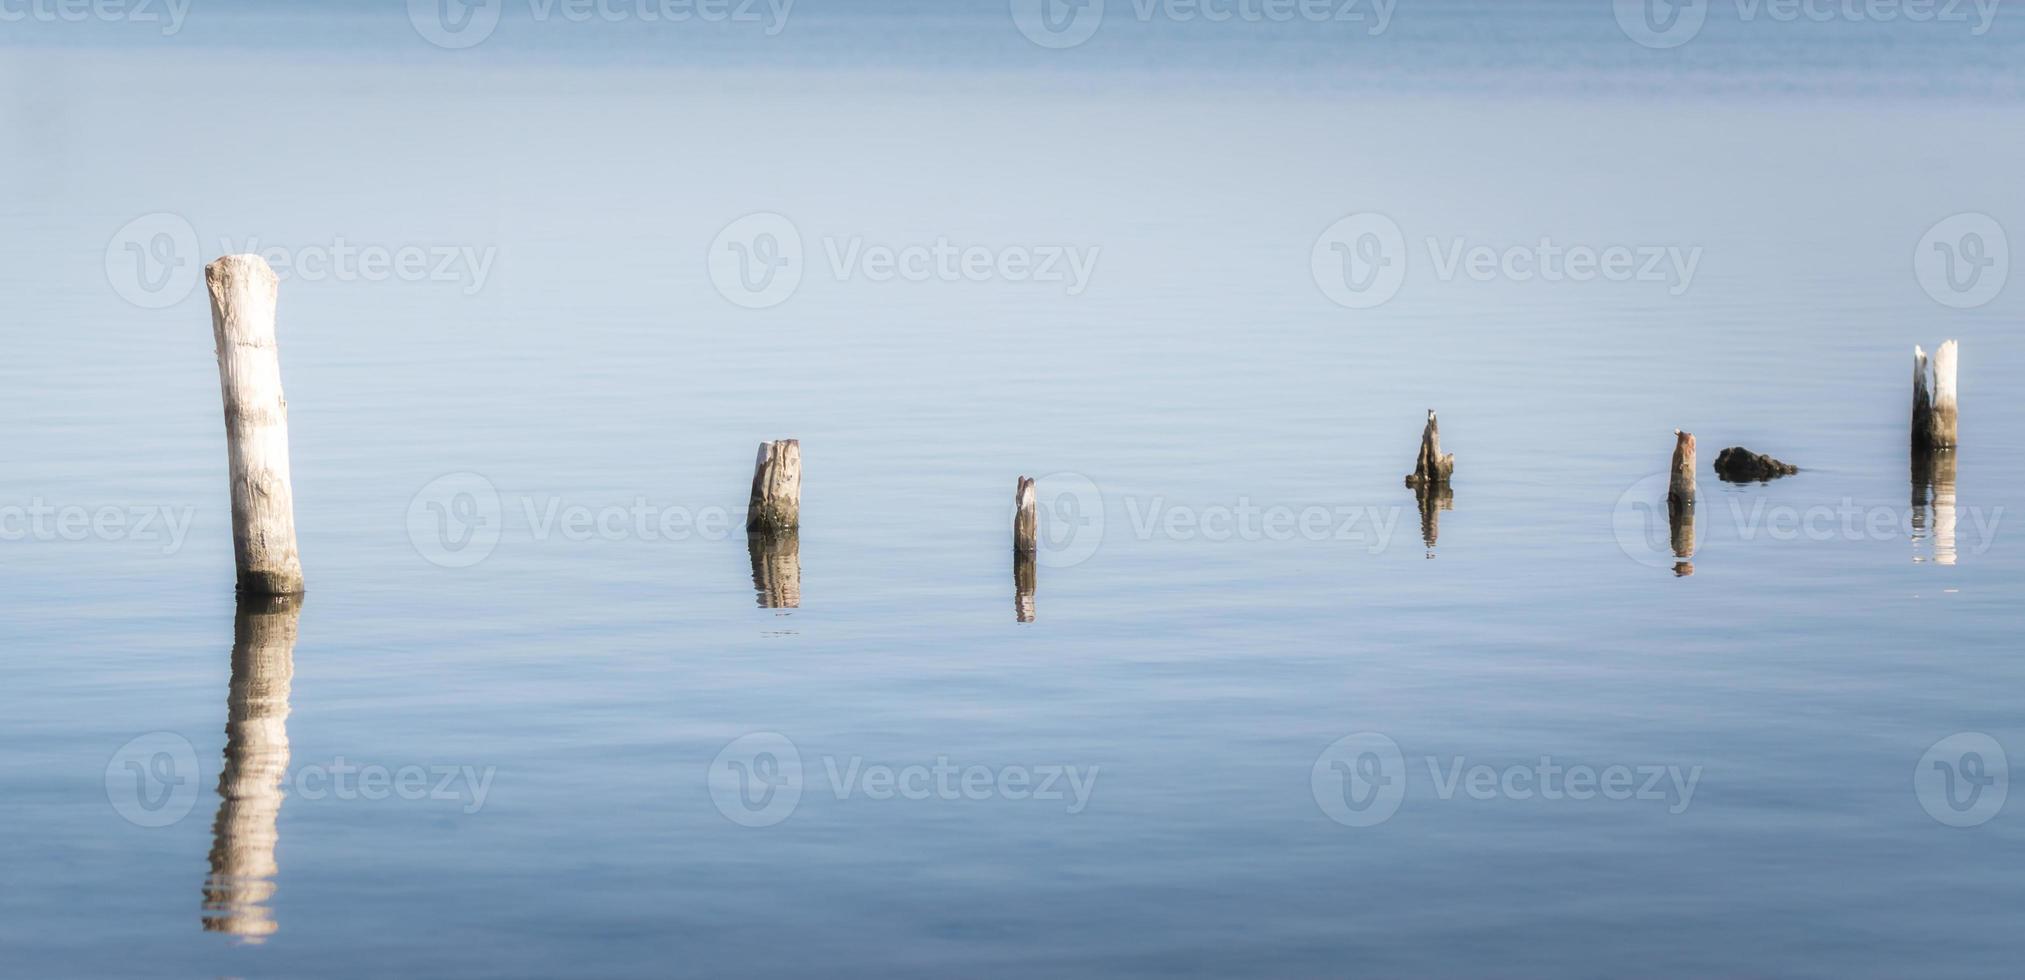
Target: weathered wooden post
[1682, 485]
[243, 296]
[243, 836]
[1934, 409]
[776, 567]
[776, 487]
[1026, 546]
[1431, 468]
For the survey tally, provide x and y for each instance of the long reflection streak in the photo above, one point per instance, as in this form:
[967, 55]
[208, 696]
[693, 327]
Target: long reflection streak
[243, 836]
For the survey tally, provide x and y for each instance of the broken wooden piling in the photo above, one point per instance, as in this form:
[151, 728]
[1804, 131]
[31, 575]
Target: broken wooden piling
[1026, 547]
[243, 298]
[1431, 468]
[1934, 404]
[1681, 487]
[776, 503]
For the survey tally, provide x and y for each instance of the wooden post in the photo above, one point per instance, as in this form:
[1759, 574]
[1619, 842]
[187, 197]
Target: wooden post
[776, 567]
[1934, 409]
[776, 487]
[1923, 404]
[1026, 547]
[243, 296]
[1682, 486]
[1026, 518]
[1944, 396]
[243, 836]
[1431, 468]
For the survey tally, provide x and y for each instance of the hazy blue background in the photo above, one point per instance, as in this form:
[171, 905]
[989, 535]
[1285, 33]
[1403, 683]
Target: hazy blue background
[1202, 368]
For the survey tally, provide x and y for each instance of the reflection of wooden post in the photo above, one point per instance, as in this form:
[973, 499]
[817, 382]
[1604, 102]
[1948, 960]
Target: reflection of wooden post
[1026, 546]
[776, 487]
[1934, 403]
[776, 567]
[1933, 497]
[1432, 500]
[1024, 580]
[1680, 525]
[243, 295]
[1432, 468]
[256, 763]
[1682, 485]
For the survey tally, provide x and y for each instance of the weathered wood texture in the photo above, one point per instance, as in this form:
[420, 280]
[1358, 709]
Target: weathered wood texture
[243, 296]
[243, 836]
[1432, 468]
[776, 503]
[1934, 410]
[1681, 486]
[1026, 518]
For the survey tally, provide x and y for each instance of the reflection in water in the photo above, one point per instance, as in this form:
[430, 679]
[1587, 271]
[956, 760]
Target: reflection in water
[1024, 579]
[256, 761]
[1933, 503]
[776, 567]
[1433, 500]
[1680, 526]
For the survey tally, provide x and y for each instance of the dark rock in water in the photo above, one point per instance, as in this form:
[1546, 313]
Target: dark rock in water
[1739, 465]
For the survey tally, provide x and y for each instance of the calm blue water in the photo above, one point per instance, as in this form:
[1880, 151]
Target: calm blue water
[520, 467]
